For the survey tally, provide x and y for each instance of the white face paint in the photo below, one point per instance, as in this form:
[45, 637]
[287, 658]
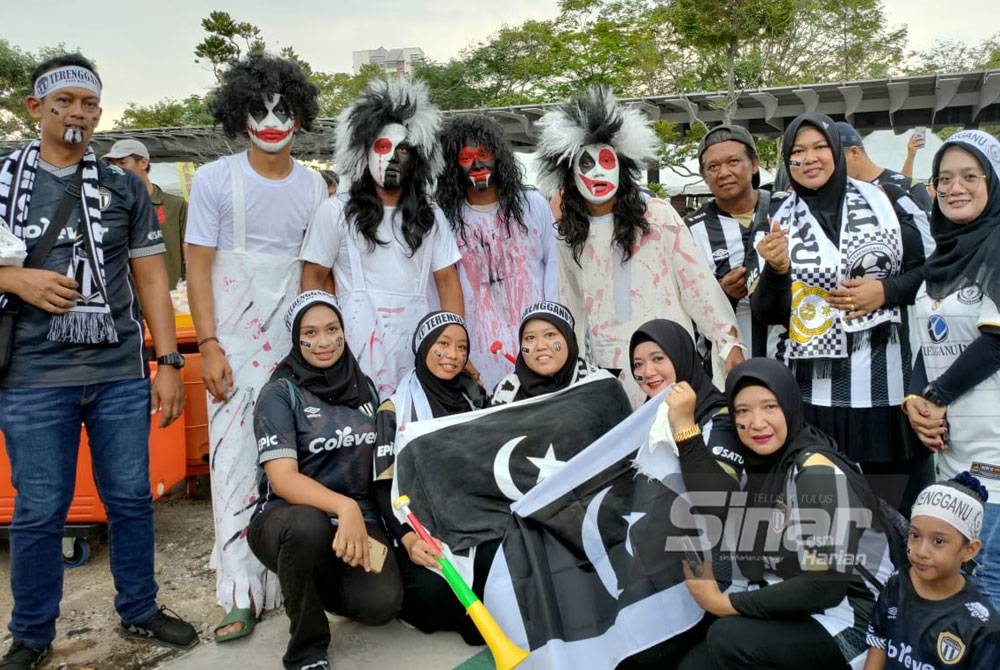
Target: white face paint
[271, 126]
[382, 150]
[73, 136]
[596, 172]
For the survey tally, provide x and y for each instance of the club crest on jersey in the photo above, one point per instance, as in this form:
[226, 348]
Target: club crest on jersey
[970, 295]
[950, 648]
[104, 198]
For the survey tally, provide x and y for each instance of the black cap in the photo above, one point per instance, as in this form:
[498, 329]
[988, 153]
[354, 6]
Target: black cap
[729, 133]
[849, 136]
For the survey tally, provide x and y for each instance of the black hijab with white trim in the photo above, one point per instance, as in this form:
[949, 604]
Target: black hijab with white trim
[445, 396]
[827, 202]
[343, 383]
[532, 383]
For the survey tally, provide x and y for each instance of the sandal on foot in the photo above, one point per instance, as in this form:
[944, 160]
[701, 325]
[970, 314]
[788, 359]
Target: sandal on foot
[239, 615]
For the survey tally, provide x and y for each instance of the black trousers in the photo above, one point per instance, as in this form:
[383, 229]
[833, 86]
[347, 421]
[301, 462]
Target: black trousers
[428, 602]
[296, 542]
[735, 642]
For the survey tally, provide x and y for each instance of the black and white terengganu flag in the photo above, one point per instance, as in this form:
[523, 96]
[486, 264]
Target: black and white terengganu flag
[582, 578]
[462, 472]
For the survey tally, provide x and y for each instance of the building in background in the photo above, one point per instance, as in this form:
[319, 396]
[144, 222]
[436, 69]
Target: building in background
[393, 61]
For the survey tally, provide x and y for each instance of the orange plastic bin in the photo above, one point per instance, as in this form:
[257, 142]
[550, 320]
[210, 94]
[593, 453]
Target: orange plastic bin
[86, 513]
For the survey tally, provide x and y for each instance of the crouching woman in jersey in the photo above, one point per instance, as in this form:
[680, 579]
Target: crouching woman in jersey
[437, 386]
[316, 514]
[797, 600]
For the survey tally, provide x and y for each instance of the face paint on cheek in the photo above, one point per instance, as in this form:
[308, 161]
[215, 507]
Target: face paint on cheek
[305, 345]
[437, 353]
[55, 112]
[525, 350]
[557, 346]
[338, 343]
[638, 378]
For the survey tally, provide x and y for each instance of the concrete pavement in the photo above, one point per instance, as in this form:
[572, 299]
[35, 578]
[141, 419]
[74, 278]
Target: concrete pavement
[353, 647]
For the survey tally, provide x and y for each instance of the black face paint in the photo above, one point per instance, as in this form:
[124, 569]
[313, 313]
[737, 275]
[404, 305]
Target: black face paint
[339, 342]
[557, 346]
[587, 162]
[54, 111]
[525, 350]
[400, 167]
[307, 345]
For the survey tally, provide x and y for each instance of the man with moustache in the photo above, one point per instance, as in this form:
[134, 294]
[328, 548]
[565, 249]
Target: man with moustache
[728, 162]
[92, 246]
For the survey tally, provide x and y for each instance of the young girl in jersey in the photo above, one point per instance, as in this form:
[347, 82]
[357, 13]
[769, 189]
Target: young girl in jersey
[550, 358]
[930, 615]
[316, 515]
[437, 386]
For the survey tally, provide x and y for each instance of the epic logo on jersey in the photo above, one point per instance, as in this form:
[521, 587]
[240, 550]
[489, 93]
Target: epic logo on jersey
[937, 328]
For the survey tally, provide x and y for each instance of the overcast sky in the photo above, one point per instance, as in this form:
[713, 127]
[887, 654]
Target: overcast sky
[145, 50]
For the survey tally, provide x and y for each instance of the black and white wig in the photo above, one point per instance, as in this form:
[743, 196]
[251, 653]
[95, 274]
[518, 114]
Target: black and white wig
[245, 84]
[596, 117]
[507, 174]
[407, 103]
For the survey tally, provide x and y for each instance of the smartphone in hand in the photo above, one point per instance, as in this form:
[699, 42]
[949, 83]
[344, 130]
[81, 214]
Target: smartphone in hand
[920, 135]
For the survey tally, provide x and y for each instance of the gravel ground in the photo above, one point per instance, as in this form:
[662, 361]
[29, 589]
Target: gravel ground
[87, 635]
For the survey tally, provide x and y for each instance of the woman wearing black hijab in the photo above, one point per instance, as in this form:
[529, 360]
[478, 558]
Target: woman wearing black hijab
[549, 360]
[437, 386]
[955, 401]
[316, 524]
[838, 270]
[810, 608]
[662, 353]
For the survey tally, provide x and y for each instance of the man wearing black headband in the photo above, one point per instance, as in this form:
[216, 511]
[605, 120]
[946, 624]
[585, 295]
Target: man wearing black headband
[77, 358]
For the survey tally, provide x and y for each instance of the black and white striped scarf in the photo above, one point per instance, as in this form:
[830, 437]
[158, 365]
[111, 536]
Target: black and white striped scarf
[871, 246]
[89, 321]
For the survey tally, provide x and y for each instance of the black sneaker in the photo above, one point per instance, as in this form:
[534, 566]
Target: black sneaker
[20, 657]
[165, 628]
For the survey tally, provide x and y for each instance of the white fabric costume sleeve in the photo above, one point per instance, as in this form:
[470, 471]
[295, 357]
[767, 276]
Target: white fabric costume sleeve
[444, 249]
[204, 216]
[323, 238]
[704, 301]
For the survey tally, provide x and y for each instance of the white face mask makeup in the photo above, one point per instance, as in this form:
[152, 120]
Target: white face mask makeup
[383, 150]
[596, 173]
[272, 125]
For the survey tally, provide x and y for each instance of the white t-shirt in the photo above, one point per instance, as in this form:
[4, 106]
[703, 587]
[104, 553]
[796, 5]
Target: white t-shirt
[278, 211]
[387, 267]
[946, 328]
[502, 275]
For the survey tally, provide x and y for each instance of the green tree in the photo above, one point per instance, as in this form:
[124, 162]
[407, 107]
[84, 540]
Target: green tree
[227, 41]
[167, 113]
[450, 84]
[955, 56]
[15, 85]
[731, 32]
[16, 66]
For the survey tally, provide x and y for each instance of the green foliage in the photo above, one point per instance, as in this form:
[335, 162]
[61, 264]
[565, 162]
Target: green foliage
[956, 56]
[227, 41]
[16, 66]
[167, 113]
[338, 90]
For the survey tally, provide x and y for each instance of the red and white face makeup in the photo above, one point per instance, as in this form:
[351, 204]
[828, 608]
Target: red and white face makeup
[596, 172]
[384, 151]
[477, 162]
[271, 126]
